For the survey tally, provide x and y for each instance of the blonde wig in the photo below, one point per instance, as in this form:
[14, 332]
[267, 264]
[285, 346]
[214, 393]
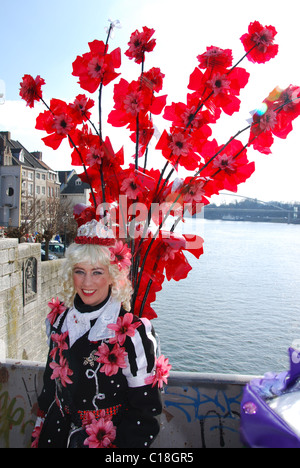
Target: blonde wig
[121, 289]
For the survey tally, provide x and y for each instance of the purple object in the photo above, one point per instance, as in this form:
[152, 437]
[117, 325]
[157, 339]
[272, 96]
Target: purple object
[267, 421]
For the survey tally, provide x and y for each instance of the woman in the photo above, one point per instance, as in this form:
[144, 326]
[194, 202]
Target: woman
[97, 383]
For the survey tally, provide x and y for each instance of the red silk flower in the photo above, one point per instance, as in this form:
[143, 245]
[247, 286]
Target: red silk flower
[31, 89]
[177, 148]
[275, 118]
[219, 88]
[139, 43]
[230, 167]
[259, 42]
[132, 100]
[215, 58]
[96, 66]
[57, 121]
[81, 108]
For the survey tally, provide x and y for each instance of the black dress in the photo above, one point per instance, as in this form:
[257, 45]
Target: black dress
[77, 385]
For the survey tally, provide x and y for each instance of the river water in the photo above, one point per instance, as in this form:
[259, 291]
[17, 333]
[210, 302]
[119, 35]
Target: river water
[238, 311]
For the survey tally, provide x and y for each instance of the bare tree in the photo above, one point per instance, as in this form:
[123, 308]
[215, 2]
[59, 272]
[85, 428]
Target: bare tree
[30, 216]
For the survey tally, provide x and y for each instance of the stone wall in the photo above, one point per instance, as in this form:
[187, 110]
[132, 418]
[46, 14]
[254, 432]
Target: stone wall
[26, 287]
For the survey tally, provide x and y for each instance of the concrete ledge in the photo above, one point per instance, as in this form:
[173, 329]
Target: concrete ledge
[8, 243]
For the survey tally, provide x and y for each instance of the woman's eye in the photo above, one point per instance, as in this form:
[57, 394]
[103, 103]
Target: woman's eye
[78, 272]
[98, 273]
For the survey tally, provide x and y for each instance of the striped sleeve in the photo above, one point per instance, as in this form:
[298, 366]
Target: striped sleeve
[141, 351]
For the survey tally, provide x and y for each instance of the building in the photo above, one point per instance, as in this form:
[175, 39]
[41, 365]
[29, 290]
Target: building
[27, 184]
[73, 190]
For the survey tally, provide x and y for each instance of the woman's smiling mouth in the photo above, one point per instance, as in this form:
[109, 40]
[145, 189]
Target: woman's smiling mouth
[87, 292]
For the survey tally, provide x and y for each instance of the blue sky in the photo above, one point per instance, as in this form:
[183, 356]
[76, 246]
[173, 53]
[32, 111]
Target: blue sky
[44, 37]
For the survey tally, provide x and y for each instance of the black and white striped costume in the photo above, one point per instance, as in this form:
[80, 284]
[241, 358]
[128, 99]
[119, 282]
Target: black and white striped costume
[134, 405]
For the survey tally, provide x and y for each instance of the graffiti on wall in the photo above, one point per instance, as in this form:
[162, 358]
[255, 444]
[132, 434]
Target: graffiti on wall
[217, 411]
[16, 419]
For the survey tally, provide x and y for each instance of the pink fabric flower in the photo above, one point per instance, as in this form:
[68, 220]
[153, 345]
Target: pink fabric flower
[36, 435]
[60, 341]
[57, 308]
[112, 360]
[101, 433]
[123, 328]
[121, 255]
[89, 417]
[61, 371]
[131, 187]
[162, 372]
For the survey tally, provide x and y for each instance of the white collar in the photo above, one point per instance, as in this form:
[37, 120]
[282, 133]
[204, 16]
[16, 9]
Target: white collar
[78, 323]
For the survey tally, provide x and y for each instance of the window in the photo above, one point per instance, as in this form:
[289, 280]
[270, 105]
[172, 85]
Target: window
[38, 190]
[38, 175]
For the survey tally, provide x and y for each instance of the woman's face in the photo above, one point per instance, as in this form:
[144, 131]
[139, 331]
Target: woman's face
[91, 282]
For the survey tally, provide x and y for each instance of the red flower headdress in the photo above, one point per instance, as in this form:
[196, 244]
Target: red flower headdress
[134, 203]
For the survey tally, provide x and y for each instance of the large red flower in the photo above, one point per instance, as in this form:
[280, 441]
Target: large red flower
[31, 89]
[215, 58]
[96, 66]
[153, 78]
[57, 122]
[139, 43]
[274, 118]
[177, 148]
[219, 88]
[288, 101]
[259, 42]
[80, 108]
[196, 192]
[229, 166]
[189, 115]
[94, 152]
[132, 100]
[167, 255]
